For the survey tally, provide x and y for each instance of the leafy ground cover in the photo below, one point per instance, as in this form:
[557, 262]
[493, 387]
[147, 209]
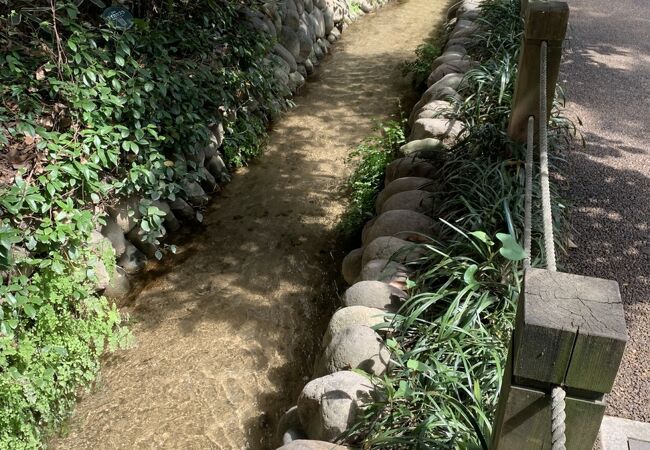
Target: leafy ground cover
[90, 112]
[449, 341]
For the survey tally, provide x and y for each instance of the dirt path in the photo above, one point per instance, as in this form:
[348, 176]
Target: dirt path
[226, 336]
[607, 70]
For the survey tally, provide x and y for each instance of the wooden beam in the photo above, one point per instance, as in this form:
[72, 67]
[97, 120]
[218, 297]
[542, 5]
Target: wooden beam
[545, 21]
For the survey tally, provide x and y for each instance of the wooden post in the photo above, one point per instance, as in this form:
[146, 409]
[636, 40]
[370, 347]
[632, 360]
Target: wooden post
[545, 21]
[570, 332]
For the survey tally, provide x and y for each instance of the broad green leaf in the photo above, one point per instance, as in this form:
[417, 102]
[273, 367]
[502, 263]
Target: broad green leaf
[510, 248]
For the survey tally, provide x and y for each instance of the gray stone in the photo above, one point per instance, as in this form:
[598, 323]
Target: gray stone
[119, 285]
[419, 201]
[137, 237]
[302, 70]
[309, 66]
[287, 56]
[133, 260]
[171, 222]
[390, 272]
[374, 294]
[411, 167]
[290, 40]
[459, 66]
[429, 149]
[434, 109]
[319, 29]
[340, 10]
[324, 45]
[281, 75]
[300, 6]
[115, 235]
[207, 181]
[195, 194]
[182, 209]
[312, 445]
[464, 41]
[405, 184]
[451, 80]
[291, 20]
[289, 428]
[366, 229]
[296, 81]
[448, 56]
[317, 51]
[465, 29]
[101, 276]
[336, 33]
[446, 130]
[329, 405]
[351, 266]
[309, 5]
[306, 44]
[126, 213]
[195, 157]
[408, 225]
[354, 347]
[353, 315]
[291, 435]
[366, 6]
[218, 169]
[328, 18]
[331, 38]
[392, 248]
[616, 432]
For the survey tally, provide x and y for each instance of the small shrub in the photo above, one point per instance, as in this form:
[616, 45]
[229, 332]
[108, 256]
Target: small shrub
[370, 160]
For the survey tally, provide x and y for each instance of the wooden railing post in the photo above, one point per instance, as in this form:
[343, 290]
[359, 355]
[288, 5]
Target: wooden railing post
[545, 21]
[570, 332]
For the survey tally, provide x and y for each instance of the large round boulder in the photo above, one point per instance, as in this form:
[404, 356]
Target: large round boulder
[351, 266]
[411, 167]
[404, 184]
[459, 66]
[374, 294]
[405, 224]
[419, 201]
[354, 347]
[353, 315]
[330, 405]
[447, 130]
[392, 248]
[430, 149]
[289, 428]
[390, 272]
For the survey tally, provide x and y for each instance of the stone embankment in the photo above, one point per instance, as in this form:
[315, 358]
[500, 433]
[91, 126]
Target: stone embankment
[305, 30]
[377, 271]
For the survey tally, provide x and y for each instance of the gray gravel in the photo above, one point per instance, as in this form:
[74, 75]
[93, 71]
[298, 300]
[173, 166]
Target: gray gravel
[607, 78]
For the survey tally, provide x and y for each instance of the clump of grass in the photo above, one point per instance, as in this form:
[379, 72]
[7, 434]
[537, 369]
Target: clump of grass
[420, 67]
[370, 160]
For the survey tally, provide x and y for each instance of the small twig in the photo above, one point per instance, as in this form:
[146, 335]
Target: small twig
[59, 47]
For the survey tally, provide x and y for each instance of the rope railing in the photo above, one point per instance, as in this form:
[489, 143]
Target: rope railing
[556, 369]
[558, 415]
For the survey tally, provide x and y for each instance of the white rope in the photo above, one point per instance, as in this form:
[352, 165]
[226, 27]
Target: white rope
[543, 164]
[528, 198]
[558, 415]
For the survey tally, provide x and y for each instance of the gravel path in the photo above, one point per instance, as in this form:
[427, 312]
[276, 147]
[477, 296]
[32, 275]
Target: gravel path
[226, 337]
[607, 75]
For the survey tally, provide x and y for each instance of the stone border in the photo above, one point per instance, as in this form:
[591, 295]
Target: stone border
[378, 270]
[305, 30]
[615, 433]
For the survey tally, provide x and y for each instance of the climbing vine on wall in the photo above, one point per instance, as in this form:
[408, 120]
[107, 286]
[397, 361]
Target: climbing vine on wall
[90, 112]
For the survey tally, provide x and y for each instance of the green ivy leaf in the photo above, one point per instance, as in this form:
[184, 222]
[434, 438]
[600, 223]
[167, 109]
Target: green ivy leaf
[510, 248]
